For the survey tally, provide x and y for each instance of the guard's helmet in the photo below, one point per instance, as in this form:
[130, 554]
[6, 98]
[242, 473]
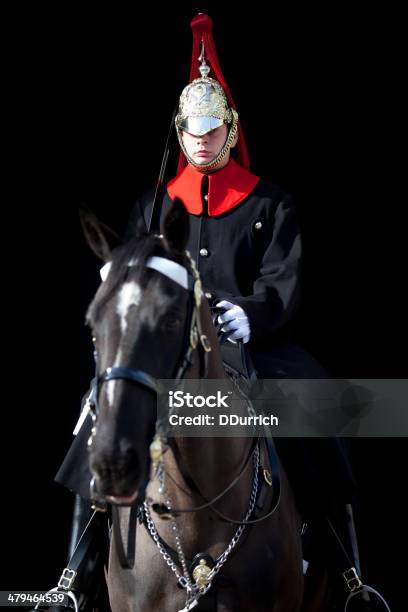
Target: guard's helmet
[206, 103]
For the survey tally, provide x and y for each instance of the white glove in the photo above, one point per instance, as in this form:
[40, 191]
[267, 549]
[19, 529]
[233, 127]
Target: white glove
[104, 271]
[235, 319]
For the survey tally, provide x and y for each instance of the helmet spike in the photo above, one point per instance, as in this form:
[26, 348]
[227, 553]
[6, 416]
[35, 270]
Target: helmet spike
[204, 68]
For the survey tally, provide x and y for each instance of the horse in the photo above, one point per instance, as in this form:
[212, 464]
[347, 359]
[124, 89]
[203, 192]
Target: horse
[198, 535]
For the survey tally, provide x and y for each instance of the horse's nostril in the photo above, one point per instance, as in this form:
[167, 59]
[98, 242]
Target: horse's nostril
[125, 462]
[104, 472]
[117, 473]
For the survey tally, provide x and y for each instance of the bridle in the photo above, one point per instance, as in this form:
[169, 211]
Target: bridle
[190, 281]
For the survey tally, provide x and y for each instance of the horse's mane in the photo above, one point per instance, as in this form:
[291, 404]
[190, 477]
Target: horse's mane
[137, 249]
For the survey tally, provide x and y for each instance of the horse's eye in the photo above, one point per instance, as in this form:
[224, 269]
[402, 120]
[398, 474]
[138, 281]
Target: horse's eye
[171, 324]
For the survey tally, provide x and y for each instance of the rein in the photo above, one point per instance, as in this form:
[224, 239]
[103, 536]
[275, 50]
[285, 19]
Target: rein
[271, 479]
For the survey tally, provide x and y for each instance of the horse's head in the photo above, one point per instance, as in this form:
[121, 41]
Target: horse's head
[140, 320]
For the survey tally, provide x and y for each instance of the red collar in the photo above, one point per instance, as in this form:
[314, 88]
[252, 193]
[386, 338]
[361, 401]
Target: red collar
[226, 188]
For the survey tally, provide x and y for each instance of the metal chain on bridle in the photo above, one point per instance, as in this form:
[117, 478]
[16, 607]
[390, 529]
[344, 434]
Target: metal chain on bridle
[195, 591]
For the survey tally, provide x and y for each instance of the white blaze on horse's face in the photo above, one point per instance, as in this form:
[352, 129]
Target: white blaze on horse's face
[129, 296]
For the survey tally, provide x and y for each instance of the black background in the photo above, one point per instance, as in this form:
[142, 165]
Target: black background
[318, 94]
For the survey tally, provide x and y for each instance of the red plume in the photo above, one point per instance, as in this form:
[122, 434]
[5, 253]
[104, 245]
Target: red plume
[202, 27]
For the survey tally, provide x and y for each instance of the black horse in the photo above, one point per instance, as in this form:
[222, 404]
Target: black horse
[150, 322]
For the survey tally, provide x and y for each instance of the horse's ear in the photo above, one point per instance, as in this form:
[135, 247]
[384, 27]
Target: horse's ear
[176, 227]
[100, 238]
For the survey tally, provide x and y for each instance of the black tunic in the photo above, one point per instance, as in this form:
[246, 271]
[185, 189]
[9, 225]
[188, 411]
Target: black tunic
[250, 256]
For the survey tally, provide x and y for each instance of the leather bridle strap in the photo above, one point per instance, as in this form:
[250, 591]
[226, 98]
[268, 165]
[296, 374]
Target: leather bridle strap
[126, 559]
[162, 509]
[276, 491]
[137, 376]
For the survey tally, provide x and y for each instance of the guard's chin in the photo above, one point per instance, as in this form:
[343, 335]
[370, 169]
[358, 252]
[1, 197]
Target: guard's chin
[127, 500]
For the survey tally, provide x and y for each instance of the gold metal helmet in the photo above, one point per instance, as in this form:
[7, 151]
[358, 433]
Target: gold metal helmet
[204, 107]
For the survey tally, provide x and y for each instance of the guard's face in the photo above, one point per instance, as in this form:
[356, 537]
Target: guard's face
[204, 149]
